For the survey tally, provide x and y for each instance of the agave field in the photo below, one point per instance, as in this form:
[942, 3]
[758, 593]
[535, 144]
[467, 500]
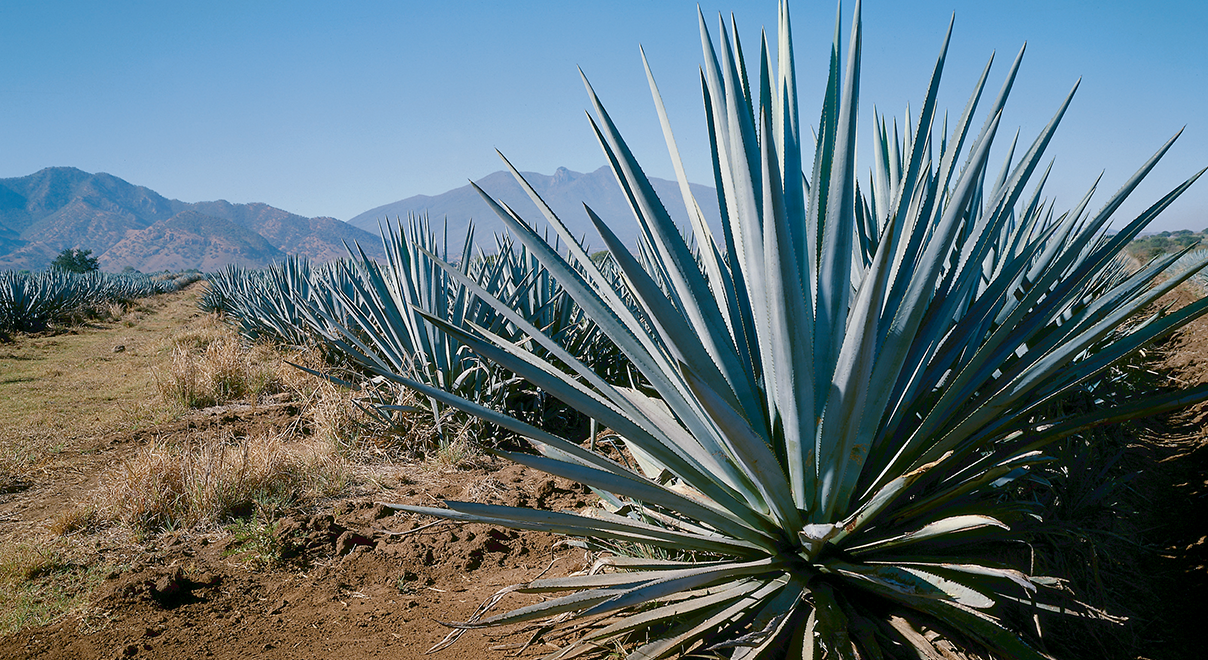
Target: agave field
[1192, 261]
[833, 429]
[836, 403]
[833, 407]
[33, 301]
[407, 315]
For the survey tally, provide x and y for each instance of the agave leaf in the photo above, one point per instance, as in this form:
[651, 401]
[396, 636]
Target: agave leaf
[1011, 575]
[790, 331]
[664, 647]
[999, 342]
[909, 177]
[642, 563]
[624, 334]
[940, 528]
[1143, 406]
[832, 624]
[544, 375]
[673, 328]
[878, 502]
[836, 248]
[904, 327]
[913, 581]
[711, 599]
[751, 453]
[642, 490]
[841, 452]
[696, 300]
[1035, 375]
[566, 523]
[543, 438]
[978, 476]
[779, 615]
[980, 626]
[669, 583]
[576, 601]
[715, 270]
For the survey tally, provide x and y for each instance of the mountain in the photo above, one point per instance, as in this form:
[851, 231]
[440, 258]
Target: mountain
[133, 226]
[565, 192]
[190, 240]
[128, 225]
[321, 239]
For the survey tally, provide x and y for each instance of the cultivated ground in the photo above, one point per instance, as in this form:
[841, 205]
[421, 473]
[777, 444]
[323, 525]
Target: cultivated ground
[90, 568]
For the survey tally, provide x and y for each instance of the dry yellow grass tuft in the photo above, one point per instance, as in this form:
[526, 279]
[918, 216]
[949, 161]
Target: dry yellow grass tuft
[205, 481]
[80, 518]
[211, 366]
[338, 416]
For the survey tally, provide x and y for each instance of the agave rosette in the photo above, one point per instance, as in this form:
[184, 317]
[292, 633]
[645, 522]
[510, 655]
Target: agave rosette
[837, 393]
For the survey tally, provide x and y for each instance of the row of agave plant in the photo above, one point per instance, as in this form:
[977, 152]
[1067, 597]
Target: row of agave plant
[834, 400]
[390, 315]
[1191, 261]
[31, 301]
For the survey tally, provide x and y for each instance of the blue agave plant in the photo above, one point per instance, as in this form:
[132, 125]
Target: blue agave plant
[837, 391]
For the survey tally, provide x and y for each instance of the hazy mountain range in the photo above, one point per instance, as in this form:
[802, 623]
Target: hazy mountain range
[565, 191]
[126, 225]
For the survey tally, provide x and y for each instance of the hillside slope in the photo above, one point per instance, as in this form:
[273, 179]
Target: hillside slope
[190, 240]
[565, 191]
[64, 207]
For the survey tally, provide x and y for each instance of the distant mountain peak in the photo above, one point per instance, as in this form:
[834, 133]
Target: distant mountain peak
[563, 175]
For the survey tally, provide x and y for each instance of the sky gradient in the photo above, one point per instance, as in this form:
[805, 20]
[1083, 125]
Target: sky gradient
[326, 109]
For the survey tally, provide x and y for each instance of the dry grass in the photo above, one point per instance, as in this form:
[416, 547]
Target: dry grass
[344, 418]
[347, 419]
[206, 481]
[211, 366]
[81, 518]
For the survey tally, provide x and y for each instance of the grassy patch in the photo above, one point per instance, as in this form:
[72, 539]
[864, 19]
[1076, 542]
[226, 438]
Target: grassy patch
[344, 419]
[256, 541]
[62, 392]
[81, 518]
[41, 582]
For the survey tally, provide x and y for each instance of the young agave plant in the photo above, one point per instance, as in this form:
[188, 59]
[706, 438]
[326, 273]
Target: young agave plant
[838, 392]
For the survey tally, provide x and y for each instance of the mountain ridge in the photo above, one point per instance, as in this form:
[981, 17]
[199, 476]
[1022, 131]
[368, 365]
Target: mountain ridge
[131, 226]
[65, 207]
[565, 191]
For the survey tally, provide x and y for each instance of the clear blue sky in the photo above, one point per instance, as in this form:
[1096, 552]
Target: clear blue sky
[335, 108]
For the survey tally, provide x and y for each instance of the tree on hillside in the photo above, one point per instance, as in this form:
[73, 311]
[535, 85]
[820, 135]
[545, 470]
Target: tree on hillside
[76, 260]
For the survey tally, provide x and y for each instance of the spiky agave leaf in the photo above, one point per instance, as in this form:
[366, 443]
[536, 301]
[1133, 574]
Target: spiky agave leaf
[838, 390]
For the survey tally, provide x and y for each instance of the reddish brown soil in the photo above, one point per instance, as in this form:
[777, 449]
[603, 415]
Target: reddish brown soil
[357, 580]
